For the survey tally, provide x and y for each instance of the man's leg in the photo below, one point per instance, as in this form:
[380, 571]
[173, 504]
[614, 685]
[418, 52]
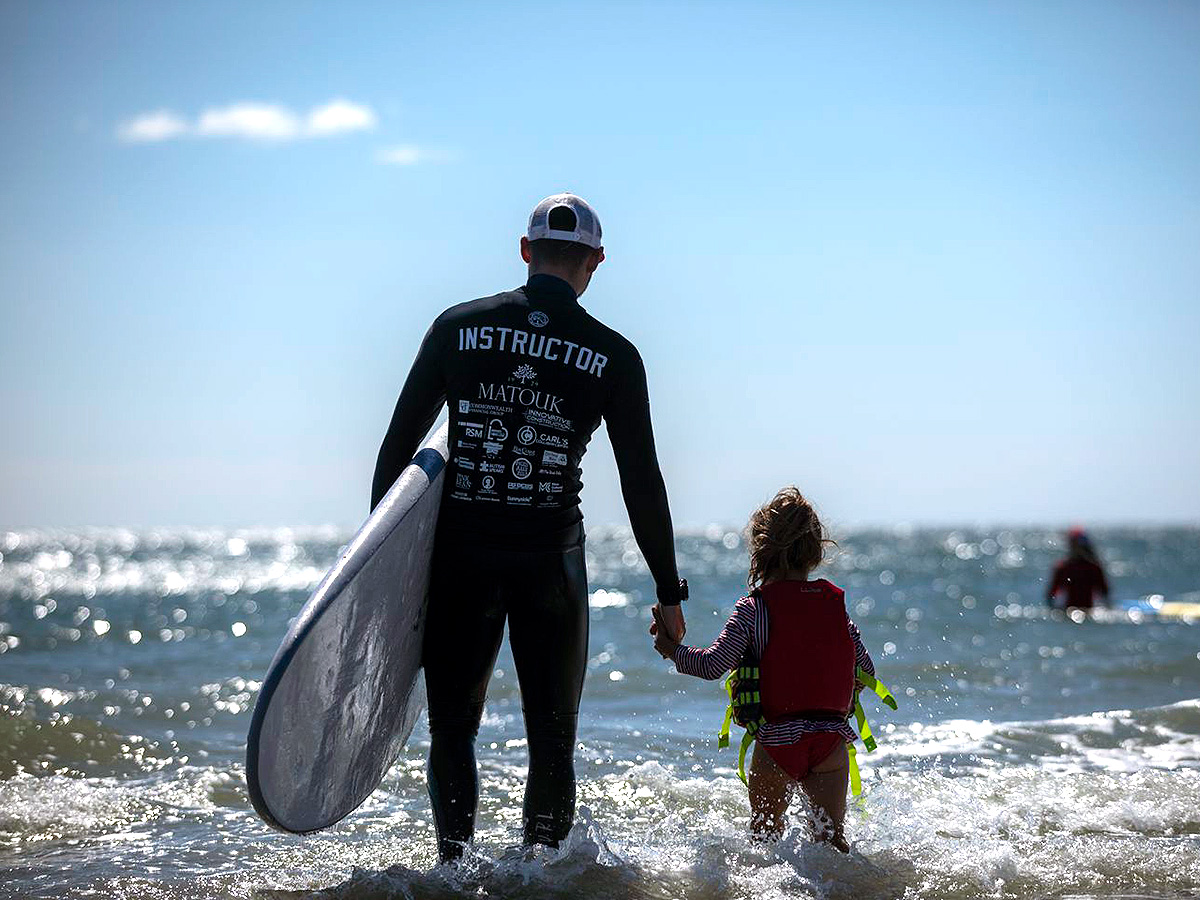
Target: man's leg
[548, 630]
[462, 637]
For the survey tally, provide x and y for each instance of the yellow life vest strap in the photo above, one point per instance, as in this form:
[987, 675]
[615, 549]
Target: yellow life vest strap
[880, 689]
[864, 728]
[747, 740]
[855, 775]
[723, 734]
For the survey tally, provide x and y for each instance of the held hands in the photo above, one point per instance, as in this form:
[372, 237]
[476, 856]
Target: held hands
[663, 629]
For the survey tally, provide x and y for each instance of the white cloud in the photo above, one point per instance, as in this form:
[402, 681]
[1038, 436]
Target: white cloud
[154, 126]
[252, 121]
[400, 155]
[257, 121]
[340, 116]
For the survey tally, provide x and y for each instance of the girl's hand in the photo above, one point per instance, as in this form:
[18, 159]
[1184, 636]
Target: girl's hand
[663, 642]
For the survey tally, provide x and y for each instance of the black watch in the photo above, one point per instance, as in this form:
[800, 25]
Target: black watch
[680, 596]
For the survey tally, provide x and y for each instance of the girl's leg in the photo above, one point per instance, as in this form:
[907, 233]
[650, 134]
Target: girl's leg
[825, 787]
[770, 790]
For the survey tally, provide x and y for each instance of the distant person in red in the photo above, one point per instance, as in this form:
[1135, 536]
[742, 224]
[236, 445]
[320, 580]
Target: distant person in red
[1080, 576]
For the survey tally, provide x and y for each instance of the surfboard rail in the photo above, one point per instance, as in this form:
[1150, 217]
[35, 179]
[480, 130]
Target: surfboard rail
[359, 628]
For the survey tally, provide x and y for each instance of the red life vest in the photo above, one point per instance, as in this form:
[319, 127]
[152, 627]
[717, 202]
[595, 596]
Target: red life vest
[809, 661]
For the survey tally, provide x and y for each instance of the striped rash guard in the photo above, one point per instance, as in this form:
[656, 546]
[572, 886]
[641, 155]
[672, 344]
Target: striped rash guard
[747, 630]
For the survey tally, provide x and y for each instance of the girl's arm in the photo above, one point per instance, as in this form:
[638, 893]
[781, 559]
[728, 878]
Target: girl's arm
[725, 652]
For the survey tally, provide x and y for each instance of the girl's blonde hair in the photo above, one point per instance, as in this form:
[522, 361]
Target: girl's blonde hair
[784, 535]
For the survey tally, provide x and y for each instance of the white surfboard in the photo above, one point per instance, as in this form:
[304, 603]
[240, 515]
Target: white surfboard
[341, 696]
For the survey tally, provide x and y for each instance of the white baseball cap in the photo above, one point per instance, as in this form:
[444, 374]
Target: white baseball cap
[565, 217]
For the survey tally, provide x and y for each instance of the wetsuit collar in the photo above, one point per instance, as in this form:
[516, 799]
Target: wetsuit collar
[550, 287]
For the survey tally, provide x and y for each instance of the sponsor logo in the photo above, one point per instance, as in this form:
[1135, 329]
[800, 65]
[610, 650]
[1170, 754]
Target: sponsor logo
[496, 430]
[545, 420]
[491, 448]
[522, 468]
[464, 406]
[467, 445]
[549, 487]
[468, 464]
[538, 319]
[553, 440]
[472, 431]
[462, 481]
[486, 466]
[520, 486]
[525, 374]
[511, 393]
[520, 501]
[488, 483]
[527, 435]
[490, 409]
[552, 458]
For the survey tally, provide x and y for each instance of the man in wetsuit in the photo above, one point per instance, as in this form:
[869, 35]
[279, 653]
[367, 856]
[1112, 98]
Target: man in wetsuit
[1080, 576]
[527, 375]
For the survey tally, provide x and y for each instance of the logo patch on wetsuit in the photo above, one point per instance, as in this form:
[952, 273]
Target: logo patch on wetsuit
[538, 319]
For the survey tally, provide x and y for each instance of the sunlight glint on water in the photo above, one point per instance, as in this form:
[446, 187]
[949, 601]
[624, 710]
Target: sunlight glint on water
[1032, 755]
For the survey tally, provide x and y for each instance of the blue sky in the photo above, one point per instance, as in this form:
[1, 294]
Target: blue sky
[931, 262]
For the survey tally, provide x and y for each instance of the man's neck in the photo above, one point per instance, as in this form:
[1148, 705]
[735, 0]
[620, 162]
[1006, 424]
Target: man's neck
[578, 280]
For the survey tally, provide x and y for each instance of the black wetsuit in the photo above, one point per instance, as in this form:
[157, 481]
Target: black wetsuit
[528, 375]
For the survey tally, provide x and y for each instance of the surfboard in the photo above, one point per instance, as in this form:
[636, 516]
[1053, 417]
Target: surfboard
[341, 695]
[1186, 606]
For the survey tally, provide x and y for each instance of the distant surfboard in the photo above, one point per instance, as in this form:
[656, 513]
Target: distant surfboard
[1185, 606]
[341, 697]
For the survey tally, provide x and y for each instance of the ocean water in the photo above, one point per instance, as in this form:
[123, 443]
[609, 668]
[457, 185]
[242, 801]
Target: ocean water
[1033, 755]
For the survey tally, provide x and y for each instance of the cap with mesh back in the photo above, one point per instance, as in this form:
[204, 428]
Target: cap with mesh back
[565, 217]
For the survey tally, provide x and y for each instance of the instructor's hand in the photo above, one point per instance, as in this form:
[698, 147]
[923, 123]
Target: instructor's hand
[671, 617]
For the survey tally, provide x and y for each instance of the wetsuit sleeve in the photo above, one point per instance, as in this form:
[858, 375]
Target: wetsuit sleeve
[645, 494]
[1102, 583]
[725, 652]
[862, 659]
[420, 402]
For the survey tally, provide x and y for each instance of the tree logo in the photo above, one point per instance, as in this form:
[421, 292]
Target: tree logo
[538, 319]
[525, 374]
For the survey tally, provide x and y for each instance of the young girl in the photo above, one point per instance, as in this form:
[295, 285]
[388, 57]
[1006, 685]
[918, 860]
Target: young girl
[797, 633]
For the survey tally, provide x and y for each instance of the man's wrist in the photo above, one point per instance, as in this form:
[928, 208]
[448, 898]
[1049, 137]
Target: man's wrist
[674, 597]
